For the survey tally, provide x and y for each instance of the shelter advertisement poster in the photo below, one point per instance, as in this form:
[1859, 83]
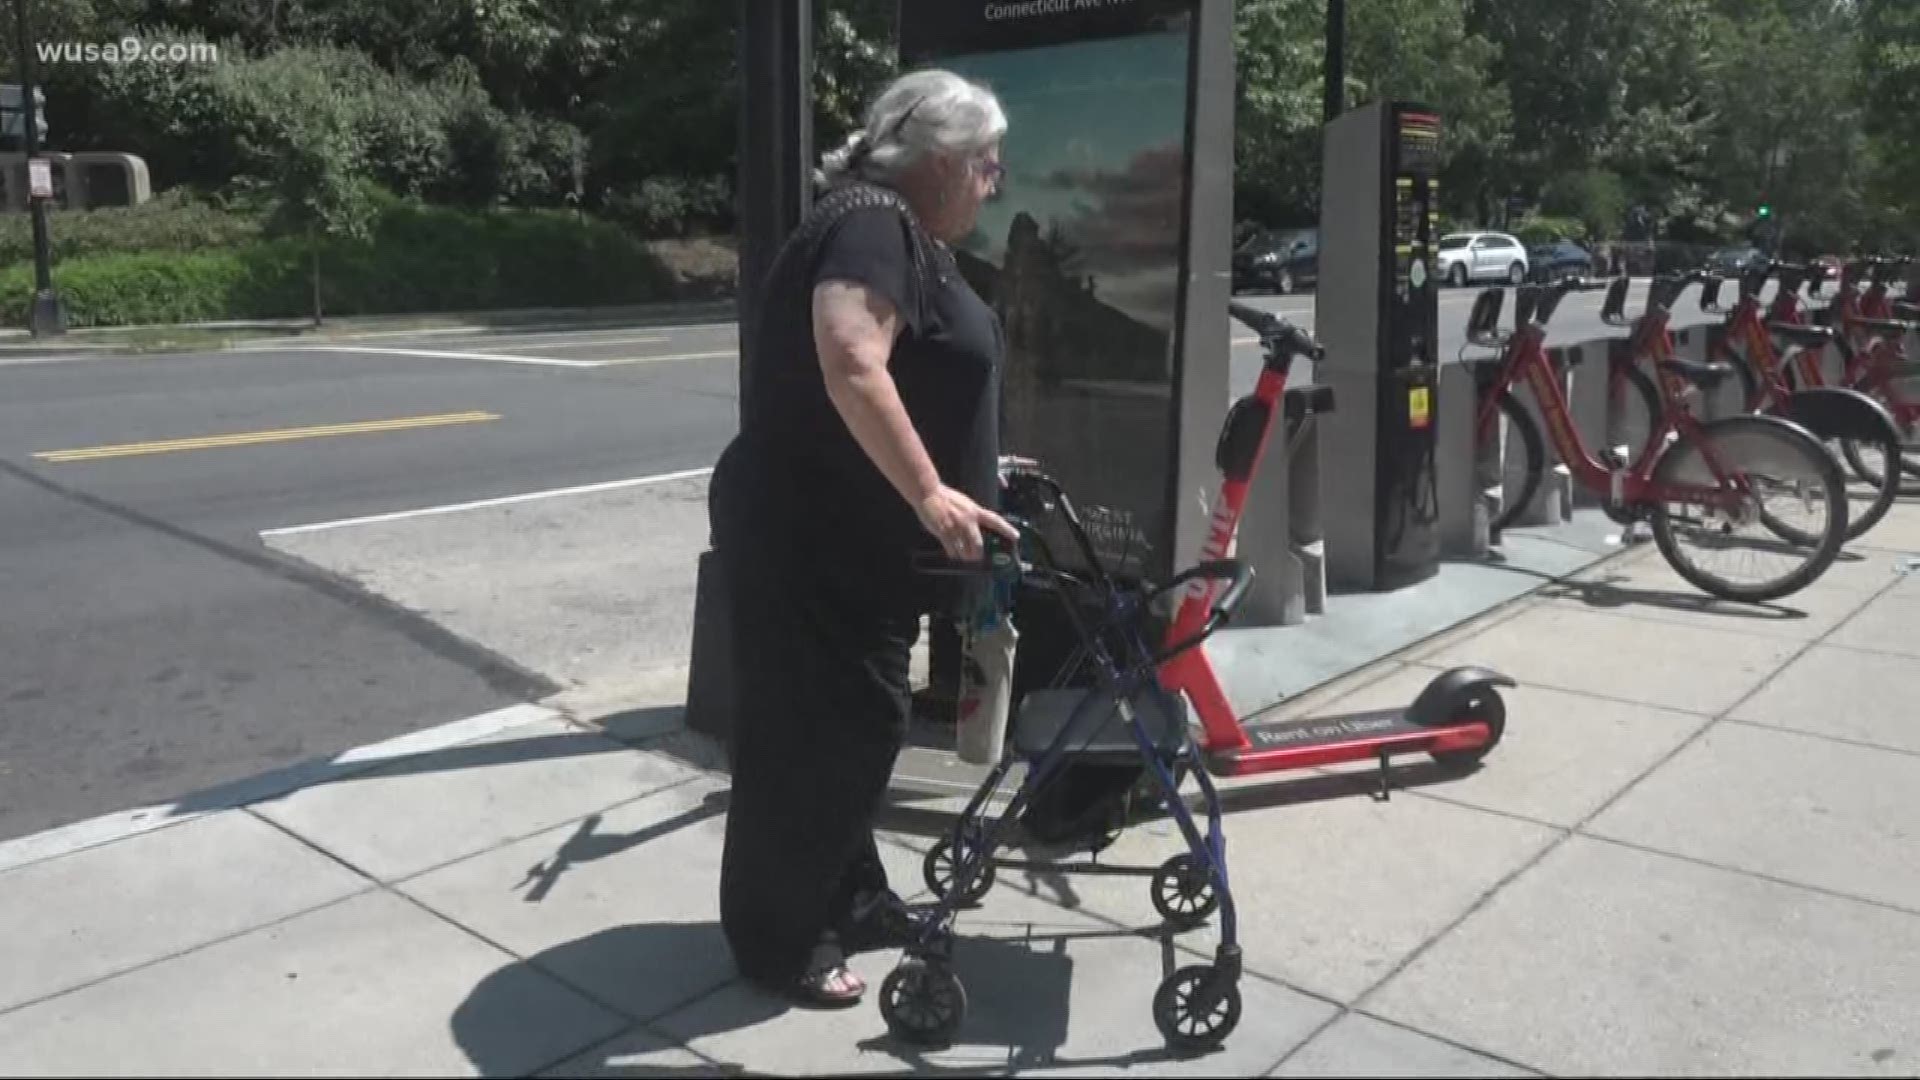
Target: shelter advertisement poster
[1081, 252]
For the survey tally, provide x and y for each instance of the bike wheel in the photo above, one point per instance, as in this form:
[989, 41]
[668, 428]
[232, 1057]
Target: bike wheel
[1882, 484]
[1772, 458]
[1897, 392]
[1533, 454]
[1865, 506]
[1633, 420]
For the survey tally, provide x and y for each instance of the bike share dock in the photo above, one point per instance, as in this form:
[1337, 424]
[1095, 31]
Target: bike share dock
[1368, 517]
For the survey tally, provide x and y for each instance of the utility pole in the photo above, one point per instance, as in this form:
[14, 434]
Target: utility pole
[1336, 64]
[46, 316]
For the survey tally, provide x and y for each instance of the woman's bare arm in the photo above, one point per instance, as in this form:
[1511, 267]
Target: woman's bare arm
[854, 332]
[854, 329]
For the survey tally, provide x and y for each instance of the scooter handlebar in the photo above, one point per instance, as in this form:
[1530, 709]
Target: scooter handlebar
[1276, 332]
[1239, 579]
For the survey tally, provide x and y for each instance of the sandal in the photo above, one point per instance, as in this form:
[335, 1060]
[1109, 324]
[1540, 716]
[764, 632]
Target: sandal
[828, 982]
[834, 986]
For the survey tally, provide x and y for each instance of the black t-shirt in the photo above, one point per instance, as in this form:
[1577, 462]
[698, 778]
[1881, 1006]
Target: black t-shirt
[945, 363]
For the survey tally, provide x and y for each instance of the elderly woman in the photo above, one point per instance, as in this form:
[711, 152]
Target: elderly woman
[871, 433]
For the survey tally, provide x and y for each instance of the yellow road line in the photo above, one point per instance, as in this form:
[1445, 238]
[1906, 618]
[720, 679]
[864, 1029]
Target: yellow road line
[253, 438]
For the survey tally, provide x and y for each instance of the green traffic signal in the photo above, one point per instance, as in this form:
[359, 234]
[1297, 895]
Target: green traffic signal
[1766, 211]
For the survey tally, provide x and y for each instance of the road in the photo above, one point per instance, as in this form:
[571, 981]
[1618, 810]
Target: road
[155, 645]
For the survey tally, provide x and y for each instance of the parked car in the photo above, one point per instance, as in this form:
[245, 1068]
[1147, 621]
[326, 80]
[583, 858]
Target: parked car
[1480, 256]
[1279, 260]
[1733, 260]
[1561, 258]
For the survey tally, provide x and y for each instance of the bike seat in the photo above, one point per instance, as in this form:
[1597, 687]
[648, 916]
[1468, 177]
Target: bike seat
[1300, 402]
[1896, 327]
[1813, 337]
[1705, 375]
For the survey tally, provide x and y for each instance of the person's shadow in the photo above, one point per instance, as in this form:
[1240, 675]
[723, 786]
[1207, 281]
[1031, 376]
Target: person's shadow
[1017, 989]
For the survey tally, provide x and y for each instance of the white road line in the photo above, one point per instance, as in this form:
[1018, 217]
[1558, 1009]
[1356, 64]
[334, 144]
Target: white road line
[662, 359]
[578, 342]
[107, 828]
[548, 361]
[508, 500]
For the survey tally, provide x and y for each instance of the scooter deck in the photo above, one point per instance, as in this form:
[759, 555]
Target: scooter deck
[1309, 742]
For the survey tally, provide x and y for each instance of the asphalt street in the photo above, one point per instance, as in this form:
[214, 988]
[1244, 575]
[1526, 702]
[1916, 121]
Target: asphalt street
[155, 645]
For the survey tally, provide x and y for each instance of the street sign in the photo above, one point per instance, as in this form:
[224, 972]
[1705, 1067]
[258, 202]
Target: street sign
[40, 178]
[13, 110]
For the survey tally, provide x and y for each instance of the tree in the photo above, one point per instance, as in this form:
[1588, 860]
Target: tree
[300, 132]
[1889, 66]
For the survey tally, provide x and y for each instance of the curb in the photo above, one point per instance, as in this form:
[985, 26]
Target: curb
[261, 787]
[95, 340]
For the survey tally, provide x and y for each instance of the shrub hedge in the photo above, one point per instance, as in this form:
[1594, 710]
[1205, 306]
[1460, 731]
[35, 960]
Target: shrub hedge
[155, 268]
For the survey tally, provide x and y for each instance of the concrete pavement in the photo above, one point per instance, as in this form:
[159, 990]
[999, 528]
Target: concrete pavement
[139, 586]
[1693, 853]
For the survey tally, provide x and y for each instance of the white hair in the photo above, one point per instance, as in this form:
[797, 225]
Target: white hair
[920, 113]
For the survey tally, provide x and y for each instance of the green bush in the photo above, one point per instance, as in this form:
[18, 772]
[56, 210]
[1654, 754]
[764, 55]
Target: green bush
[132, 288]
[171, 221]
[417, 258]
[671, 206]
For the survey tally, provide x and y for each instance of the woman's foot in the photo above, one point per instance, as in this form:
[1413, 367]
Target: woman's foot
[831, 987]
[828, 983]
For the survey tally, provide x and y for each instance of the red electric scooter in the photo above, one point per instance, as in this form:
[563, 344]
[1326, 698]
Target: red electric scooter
[1457, 719]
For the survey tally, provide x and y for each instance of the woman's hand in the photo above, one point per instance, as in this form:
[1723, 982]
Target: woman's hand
[956, 521]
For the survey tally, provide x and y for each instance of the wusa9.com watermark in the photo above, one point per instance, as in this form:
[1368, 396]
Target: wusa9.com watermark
[128, 50]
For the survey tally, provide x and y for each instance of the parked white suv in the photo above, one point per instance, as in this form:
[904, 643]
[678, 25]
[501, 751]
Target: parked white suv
[1480, 256]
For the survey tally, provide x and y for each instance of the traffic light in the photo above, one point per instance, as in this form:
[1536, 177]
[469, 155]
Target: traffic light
[1765, 211]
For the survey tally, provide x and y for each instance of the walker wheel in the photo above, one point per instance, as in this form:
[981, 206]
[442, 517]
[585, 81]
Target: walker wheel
[940, 869]
[1177, 1012]
[1487, 706]
[1183, 891]
[923, 1002]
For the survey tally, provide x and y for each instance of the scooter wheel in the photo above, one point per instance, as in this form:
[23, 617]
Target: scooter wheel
[940, 869]
[1183, 891]
[923, 1002]
[1186, 1025]
[1486, 705]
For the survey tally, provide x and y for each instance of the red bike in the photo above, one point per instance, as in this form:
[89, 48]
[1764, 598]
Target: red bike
[1693, 480]
[1788, 384]
[1873, 330]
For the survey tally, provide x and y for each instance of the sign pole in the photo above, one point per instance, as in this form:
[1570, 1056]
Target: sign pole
[1336, 62]
[46, 316]
[776, 148]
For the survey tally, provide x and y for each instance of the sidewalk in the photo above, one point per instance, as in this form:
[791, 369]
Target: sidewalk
[1697, 851]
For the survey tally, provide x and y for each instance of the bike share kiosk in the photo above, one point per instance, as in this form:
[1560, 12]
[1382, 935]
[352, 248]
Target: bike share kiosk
[1377, 314]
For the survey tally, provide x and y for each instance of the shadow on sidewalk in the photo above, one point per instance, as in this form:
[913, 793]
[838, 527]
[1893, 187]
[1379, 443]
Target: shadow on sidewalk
[1606, 592]
[1018, 991]
[309, 774]
[586, 845]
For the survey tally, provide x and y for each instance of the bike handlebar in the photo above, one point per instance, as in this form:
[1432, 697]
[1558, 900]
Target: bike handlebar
[1276, 332]
[1576, 283]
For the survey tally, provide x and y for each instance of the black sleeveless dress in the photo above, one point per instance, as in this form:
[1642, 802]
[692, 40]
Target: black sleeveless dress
[818, 551]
